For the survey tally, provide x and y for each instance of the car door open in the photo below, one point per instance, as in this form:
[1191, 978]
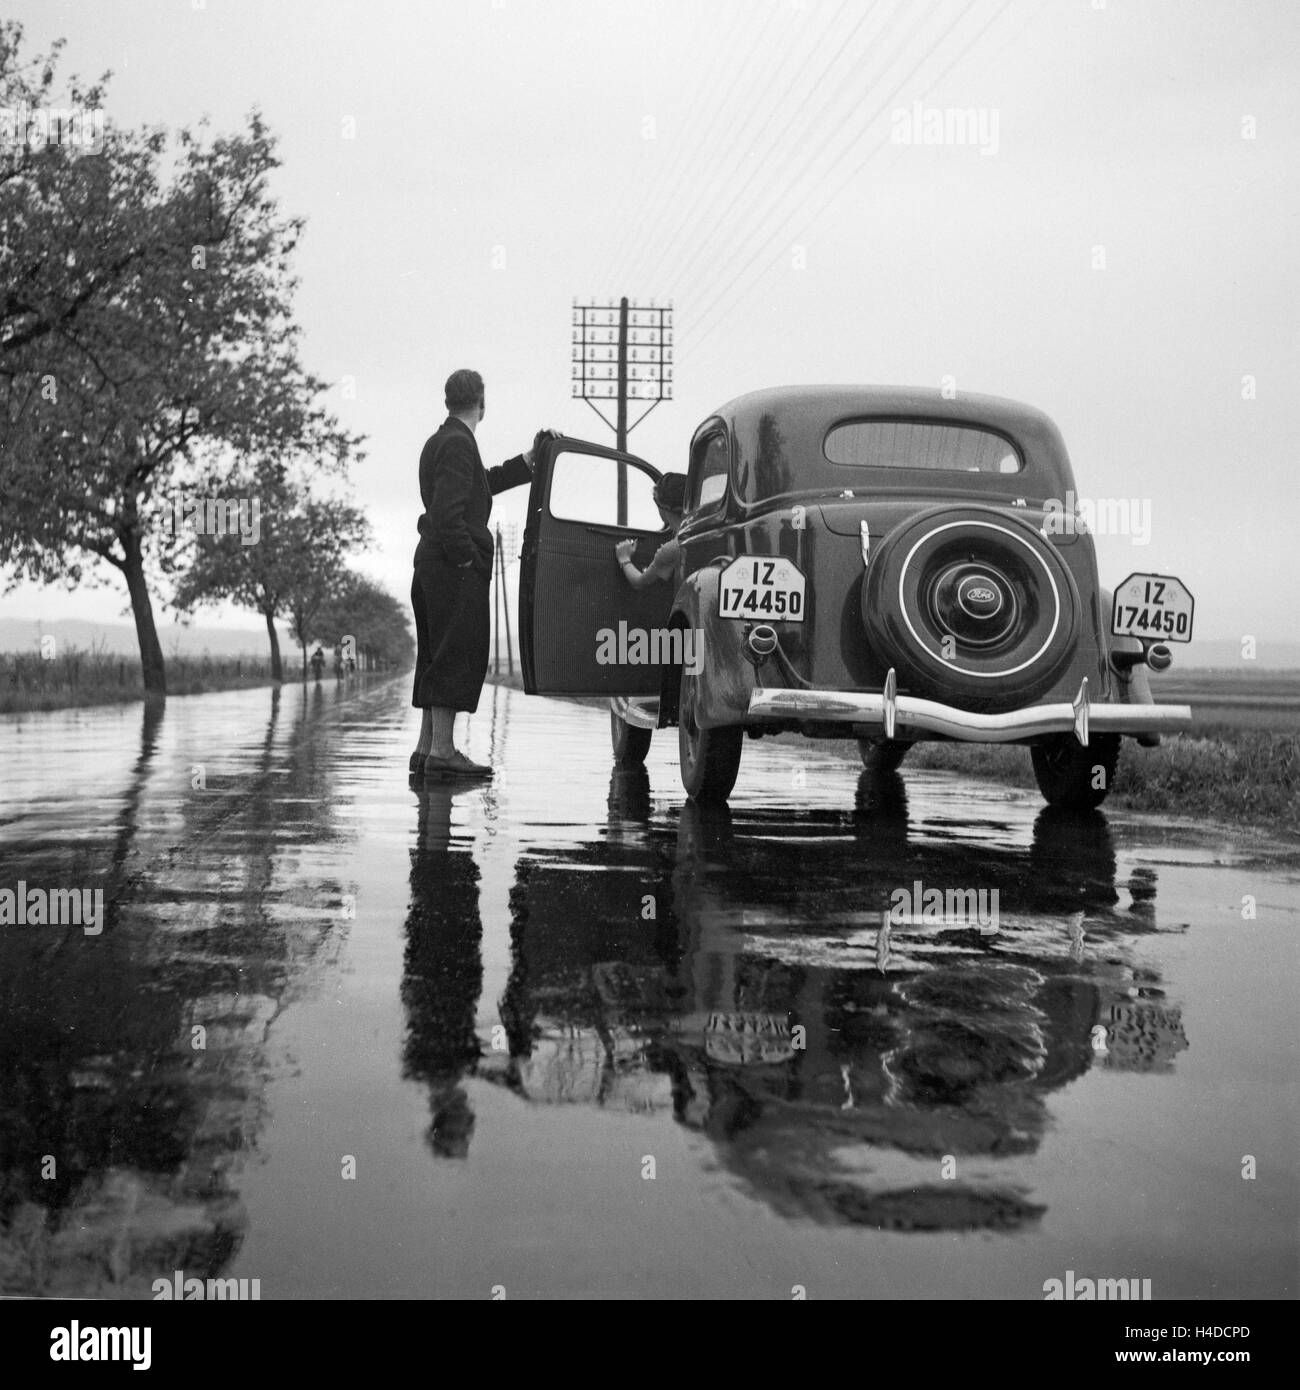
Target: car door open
[578, 616]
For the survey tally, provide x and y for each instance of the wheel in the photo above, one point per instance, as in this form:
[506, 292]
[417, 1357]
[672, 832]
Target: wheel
[882, 755]
[710, 758]
[631, 744]
[1073, 776]
[973, 602]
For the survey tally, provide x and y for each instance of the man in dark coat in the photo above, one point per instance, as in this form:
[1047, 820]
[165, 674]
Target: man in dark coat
[453, 576]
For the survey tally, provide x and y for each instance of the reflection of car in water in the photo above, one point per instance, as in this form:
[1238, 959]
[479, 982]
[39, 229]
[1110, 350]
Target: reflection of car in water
[695, 970]
[882, 563]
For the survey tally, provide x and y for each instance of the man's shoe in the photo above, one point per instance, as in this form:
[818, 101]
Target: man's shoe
[457, 765]
[416, 765]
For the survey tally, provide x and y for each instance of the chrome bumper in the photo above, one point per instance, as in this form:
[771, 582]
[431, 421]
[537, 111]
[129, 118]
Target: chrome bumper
[895, 715]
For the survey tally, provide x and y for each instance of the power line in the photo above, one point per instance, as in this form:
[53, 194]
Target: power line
[729, 152]
[773, 177]
[688, 171]
[633, 227]
[786, 184]
[776, 187]
[674, 170]
[699, 333]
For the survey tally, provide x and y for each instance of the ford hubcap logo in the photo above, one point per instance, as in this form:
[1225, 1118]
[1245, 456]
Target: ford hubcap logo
[982, 599]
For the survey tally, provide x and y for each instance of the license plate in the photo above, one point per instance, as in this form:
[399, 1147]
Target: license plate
[745, 1039]
[1155, 606]
[758, 588]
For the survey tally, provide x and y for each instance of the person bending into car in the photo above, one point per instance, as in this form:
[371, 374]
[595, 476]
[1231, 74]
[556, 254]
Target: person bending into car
[670, 498]
[453, 574]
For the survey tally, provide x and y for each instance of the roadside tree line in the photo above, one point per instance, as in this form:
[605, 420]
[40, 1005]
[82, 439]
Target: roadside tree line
[148, 354]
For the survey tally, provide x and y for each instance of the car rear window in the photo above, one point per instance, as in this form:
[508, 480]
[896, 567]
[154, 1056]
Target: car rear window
[921, 444]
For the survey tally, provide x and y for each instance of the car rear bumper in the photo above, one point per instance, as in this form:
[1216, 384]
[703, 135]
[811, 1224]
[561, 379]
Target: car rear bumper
[897, 716]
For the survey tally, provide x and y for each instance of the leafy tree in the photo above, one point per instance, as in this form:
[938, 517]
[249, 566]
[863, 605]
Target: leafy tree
[296, 566]
[147, 324]
[50, 199]
[369, 614]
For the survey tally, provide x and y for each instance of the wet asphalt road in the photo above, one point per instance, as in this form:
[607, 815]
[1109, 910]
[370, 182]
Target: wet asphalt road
[565, 1035]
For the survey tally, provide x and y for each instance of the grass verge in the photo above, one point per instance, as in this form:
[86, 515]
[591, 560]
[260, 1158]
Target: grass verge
[1223, 772]
[1247, 776]
[76, 679]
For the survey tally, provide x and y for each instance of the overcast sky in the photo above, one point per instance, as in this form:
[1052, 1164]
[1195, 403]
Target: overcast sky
[744, 158]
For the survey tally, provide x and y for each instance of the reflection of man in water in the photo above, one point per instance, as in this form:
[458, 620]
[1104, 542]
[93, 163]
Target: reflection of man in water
[443, 971]
[670, 498]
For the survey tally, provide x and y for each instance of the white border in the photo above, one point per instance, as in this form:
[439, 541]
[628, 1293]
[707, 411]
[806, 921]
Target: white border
[1020, 540]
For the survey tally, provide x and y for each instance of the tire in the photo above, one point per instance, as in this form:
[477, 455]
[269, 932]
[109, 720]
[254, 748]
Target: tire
[631, 744]
[882, 755]
[710, 758]
[1066, 772]
[974, 602]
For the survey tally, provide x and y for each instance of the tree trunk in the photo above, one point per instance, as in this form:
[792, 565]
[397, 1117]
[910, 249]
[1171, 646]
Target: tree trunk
[277, 670]
[151, 657]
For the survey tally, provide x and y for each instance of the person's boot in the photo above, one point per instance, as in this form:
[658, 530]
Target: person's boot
[456, 764]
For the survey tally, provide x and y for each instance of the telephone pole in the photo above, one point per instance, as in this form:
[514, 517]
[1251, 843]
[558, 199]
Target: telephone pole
[620, 434]
[622, 351]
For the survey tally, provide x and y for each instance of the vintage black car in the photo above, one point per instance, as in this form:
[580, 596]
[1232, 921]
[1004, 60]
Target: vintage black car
[883, 563]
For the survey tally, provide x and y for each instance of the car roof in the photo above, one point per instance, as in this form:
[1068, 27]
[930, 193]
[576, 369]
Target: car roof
[824, 404]
[802, 416]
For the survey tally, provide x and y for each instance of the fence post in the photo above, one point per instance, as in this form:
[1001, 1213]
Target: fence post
[505, 608]
[496, 603]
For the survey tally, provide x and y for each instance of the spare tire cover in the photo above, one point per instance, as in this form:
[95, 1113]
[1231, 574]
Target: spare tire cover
[971, 604]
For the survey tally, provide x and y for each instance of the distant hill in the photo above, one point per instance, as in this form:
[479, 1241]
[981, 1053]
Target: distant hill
[119, 638]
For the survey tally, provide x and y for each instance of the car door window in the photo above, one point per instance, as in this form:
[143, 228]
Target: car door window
[584, 487]
[710, 463]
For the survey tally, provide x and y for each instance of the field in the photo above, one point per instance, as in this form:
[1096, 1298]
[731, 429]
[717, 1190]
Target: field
[1242, 775]
[96, 677]
[1242, 699]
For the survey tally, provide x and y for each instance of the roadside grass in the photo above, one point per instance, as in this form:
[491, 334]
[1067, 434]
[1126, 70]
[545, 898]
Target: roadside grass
[77, 678]
[1246, 776]
[1226, 771]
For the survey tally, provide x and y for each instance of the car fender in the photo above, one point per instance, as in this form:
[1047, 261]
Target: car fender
[1134, 684]
[725, 674]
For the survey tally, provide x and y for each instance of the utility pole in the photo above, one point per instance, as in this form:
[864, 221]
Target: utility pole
[620, 432]
[622, 352]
